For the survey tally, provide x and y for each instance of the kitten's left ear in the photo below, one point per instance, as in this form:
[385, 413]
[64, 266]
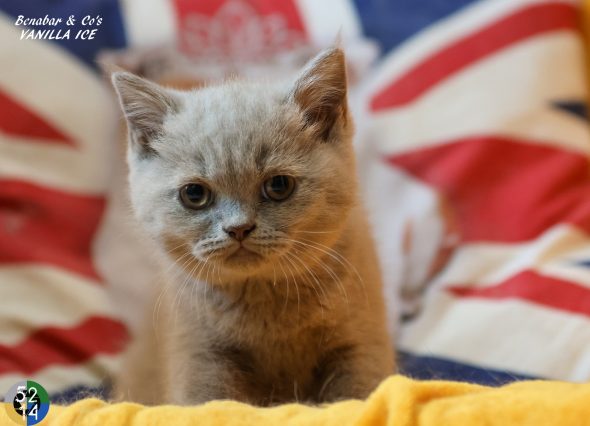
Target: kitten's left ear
[145, 105]
[320, 92]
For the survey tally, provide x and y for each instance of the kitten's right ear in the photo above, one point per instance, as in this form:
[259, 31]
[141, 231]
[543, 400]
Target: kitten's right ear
[145, 105]
[320, 92]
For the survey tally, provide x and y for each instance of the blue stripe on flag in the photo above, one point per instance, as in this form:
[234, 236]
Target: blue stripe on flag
[392, 22]
[431, 368]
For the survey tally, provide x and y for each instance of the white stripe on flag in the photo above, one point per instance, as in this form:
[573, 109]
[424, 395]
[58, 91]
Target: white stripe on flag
[35, 296]
[509, 335]
[61, 166]
[553, 254]
[504, 94]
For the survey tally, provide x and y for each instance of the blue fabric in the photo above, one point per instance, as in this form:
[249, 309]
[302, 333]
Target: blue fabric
[417, 367]
[76, 393]
[431, 368]
[110, 34]
[390, 22]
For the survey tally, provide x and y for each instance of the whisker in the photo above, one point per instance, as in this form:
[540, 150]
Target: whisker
[169, 251]
[178, 296]
[308, 271]
[204, 285]
[339, 258]
[179, 291]
[330, 272]
[315, 232]
[287, 282]
[168, 284]
[296, 286]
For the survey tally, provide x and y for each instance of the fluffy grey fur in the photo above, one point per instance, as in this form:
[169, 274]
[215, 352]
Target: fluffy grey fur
[292, 312]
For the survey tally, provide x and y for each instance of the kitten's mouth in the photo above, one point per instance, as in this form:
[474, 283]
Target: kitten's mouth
[243, 254]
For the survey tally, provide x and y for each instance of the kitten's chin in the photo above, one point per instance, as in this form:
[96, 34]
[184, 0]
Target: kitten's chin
[241, 260]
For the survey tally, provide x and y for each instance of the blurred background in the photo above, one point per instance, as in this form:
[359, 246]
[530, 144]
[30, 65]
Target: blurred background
[473, 147]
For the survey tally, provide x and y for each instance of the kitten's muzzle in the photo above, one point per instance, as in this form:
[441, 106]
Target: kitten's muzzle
[240, 232]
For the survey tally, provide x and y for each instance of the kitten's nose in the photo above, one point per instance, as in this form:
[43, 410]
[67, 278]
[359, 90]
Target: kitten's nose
[240, 232]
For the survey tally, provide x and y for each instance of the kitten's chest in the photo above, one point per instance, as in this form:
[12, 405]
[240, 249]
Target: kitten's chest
[274, 369]
[277, 335]
[270, 347]
[269, 316]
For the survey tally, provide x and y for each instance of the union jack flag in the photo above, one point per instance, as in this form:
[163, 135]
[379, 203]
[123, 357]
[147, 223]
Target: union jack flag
[479, 147]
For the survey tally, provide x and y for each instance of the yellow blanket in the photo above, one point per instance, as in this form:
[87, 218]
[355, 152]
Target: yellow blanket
[398, 401]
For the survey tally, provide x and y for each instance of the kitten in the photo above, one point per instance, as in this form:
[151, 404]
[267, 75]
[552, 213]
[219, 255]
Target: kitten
[250, 190]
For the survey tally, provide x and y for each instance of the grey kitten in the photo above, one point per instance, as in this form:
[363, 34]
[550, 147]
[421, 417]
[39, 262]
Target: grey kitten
[250, 191]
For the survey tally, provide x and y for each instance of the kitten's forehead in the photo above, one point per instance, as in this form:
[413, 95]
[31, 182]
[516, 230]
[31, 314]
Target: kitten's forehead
[235, 104]
[238, 130]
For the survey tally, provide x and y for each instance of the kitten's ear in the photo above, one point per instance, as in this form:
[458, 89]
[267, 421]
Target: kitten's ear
[320, 92]
[145, 105]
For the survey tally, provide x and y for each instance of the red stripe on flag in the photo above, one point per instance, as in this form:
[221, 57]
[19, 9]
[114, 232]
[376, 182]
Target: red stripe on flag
[17, 120]
[215, 23]
[536, 288]
[63, 346]
[45, 225]
[504, 190]
[525, 23]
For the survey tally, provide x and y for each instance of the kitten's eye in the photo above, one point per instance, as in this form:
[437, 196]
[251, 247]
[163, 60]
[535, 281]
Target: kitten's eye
[195, 196]
[278, 188]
